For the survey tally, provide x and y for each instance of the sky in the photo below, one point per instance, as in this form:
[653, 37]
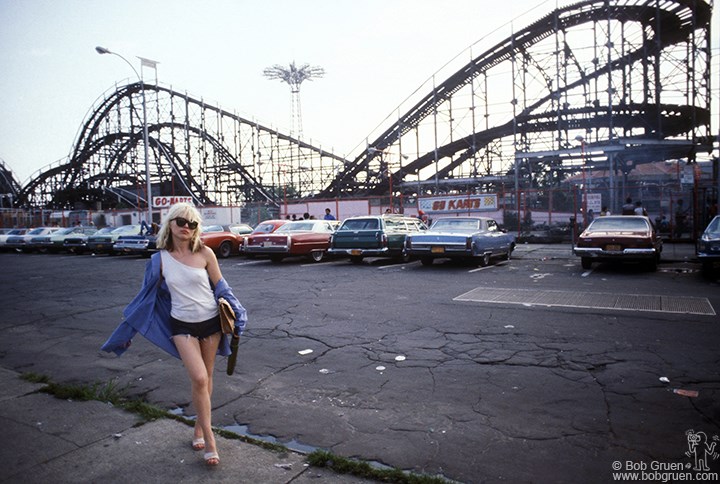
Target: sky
[375, 53]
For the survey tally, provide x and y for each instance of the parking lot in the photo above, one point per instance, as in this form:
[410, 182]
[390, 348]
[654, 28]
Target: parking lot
[532, 370]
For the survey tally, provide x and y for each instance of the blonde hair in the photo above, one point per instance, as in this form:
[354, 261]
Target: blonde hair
[184, 210]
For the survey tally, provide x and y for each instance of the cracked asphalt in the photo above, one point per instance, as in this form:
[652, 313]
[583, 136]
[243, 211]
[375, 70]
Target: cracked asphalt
[399, 372]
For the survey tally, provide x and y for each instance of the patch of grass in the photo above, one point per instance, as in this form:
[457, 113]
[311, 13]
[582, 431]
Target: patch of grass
[35, 378]
[343, 465]
[109, 392]
[102, 392]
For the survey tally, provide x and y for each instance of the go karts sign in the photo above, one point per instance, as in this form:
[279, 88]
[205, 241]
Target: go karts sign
[161, 202]
[459, 203]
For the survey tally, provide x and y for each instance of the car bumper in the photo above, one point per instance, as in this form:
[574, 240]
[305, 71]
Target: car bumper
[632, 253]
[101, 247]
[384, 252]
[440, 252]
[271, 249]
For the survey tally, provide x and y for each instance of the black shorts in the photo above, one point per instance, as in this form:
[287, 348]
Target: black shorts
[199, 330]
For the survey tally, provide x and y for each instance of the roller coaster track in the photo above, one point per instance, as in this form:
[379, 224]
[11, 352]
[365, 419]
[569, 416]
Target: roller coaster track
[669, 32]
[195, 149]
[627, 74]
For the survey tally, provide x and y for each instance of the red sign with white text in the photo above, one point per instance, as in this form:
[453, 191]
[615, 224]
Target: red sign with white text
[459, 203]
[160, 202]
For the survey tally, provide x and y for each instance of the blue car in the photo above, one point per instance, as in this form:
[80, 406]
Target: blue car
[476, 239]
[708, 247]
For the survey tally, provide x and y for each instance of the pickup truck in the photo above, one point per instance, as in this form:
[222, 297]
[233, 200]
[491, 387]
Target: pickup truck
[374, 236]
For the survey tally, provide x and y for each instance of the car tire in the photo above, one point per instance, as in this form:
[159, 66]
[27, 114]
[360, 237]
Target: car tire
[403, 258]
[586, 263]
[356, 259]
[317, 255]
[225, 249]
[485, 259]
[427, 261]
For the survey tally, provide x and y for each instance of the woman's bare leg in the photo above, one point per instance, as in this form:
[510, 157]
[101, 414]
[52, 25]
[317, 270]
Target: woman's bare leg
[199, 360]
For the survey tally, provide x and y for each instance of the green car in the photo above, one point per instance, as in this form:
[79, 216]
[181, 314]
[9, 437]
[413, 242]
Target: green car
[374, 236]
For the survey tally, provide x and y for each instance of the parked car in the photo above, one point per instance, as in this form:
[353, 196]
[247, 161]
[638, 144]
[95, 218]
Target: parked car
[301, 238]
[623, 238]
[56, 242]
[225, 240]
[22, 242]
[77, 242]
[268, 226]
[374, 236]
[135, 244]
[10, 233]
[477, 239]
[103, 243]
[265, 227]
[707, 248]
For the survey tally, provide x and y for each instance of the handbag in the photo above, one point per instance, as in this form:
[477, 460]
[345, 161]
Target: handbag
[227, 316]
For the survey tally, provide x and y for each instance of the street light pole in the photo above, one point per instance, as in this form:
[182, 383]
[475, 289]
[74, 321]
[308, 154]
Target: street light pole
[103, 50]
[581, 139]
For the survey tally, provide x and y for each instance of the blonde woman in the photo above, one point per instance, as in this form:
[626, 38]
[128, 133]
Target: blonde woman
[177, 310]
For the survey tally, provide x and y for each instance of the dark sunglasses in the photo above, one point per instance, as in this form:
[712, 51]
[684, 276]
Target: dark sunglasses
[182, 222]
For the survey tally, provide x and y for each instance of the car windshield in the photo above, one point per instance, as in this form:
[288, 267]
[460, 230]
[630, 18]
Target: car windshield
[37, 231]
[459, 224]
[618, 224]
[296, 227]
[241, 229]
[212, 228]
[264, 229]
[360, 224]
[104, 230]
[714, 227]
[65, 231]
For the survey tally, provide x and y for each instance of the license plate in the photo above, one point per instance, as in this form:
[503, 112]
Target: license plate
[356, 252]
[613, 248]
[437, 250]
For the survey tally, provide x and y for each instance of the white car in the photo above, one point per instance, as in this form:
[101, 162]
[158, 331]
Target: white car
[7, 233]
[20, 242]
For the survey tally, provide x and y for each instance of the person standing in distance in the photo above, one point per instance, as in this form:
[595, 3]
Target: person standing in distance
[328, 215]
[177, 310]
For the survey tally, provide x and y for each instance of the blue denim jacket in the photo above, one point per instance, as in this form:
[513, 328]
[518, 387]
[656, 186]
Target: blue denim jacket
[149, 314]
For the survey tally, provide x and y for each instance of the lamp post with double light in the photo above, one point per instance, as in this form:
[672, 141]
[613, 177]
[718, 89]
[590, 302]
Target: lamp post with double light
[103, 50]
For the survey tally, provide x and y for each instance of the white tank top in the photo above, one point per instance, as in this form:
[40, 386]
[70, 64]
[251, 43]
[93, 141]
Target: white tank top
[193, 300]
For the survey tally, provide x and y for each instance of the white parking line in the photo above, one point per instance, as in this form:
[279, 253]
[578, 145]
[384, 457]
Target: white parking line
[250, 262]
[311, 264]
[404, 264]
[479, 269]
[499, 264]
